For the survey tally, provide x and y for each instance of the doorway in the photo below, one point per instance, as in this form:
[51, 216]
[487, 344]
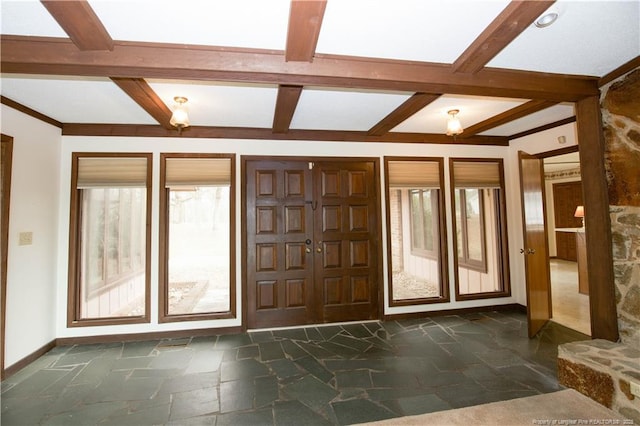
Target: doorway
[311, 241]
[567, 254]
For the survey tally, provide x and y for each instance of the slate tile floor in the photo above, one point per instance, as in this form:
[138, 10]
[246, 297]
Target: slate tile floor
[334, 374]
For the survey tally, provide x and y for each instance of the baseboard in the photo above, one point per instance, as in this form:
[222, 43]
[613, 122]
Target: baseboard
[413, 315]
[17, 366]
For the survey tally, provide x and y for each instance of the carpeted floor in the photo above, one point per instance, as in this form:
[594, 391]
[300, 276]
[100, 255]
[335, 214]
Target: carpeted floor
[566, 407]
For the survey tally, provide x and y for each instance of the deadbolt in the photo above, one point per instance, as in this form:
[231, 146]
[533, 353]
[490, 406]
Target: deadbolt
[307, 241]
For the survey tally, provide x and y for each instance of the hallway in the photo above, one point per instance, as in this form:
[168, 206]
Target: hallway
[570, 308]
[334, 374]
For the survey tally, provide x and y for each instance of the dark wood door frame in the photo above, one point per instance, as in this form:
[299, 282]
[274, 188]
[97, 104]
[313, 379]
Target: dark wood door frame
[378, 259]
[602, 306]
[7, 156]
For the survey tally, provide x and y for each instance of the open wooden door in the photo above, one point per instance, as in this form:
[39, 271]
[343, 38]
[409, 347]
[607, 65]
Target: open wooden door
[536, 249]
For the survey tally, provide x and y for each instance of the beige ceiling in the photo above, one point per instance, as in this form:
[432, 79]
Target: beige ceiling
[590, 38]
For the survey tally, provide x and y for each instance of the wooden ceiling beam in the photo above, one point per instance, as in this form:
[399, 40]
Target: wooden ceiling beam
[140, 91]
[286, 103]
[80, 22]
[412, 105]
[305, 20]
[55, 56]
[508, 25]
[507, 116]
[80, 129]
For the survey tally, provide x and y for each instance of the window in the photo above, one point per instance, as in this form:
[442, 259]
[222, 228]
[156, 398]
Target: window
[469, 204]
[109, 239]
[424, 206]
[415, 230]
[479, 224]
[196, 239]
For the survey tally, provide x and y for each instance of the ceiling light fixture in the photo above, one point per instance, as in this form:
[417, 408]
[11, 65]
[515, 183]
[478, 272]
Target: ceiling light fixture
[546, 19]
[180, 118]
[454, 127]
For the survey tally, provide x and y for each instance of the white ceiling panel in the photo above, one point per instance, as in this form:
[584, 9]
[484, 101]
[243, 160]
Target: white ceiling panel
[589, 38]
[321, 109]
[419, 30]
[75, 100]
[238, 23]
[537, 119]
[28, 18]
[473, 109]
[209, 104]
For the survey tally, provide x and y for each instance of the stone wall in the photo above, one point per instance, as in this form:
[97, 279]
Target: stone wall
[621, 118]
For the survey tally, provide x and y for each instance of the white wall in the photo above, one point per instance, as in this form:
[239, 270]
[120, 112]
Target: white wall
[533, 144]
[32, 269]
[242, 147]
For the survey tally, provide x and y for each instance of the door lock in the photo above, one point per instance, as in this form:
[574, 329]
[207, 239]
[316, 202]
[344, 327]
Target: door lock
[307, 241]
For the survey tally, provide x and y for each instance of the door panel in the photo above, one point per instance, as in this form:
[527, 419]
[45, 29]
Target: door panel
[311, 242]
[347, 228]
[278, 265]
[535, 243]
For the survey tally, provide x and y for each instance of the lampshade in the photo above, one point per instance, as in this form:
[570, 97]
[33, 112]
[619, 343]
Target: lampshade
[453, 123]
[180, 118]
[579, 212]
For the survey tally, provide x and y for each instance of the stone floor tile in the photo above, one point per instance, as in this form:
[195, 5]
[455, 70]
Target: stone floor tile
[312, 366]
[270, 351]
[284, 368]
[87, 414]
[311, 392]
[194, 403]
[294, 413]
[292, 350]
[229, 341]
[357, 330]
[360, 411]
[353, 379]
[261, 336]
[336, 373]
[132, 349]
[236, 395]
[262, 417]
[266, 391]
[291, 334]
[243, 369]
[204, 361]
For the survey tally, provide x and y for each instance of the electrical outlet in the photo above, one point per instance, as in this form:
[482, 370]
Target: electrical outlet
[25, 238]
[635, 389]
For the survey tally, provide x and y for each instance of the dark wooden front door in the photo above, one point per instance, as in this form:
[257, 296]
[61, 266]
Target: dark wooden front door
[311, 241]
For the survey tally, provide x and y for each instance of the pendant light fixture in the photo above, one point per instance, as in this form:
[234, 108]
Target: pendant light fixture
[180, 118]
[454, 127]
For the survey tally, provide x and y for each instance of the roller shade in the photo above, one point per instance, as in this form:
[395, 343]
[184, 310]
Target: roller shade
[111, 172]
[476, 174]
[181, 172]
[414, 174]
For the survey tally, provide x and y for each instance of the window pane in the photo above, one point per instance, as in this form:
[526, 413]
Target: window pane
[414, 214]
[111, 285]
[199, 258]
[458, 201]
[474, 224]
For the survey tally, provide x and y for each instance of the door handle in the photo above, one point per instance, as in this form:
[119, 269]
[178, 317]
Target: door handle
[531, 251]
[522, 251]
[308, 250]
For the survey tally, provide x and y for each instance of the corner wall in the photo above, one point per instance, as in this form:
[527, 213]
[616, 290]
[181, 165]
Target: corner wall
[621, 121]
[31, 269]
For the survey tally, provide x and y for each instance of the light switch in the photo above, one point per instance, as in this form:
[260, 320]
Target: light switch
[25, 238]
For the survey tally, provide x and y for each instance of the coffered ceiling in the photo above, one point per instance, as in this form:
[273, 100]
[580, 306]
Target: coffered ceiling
[365, 70]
